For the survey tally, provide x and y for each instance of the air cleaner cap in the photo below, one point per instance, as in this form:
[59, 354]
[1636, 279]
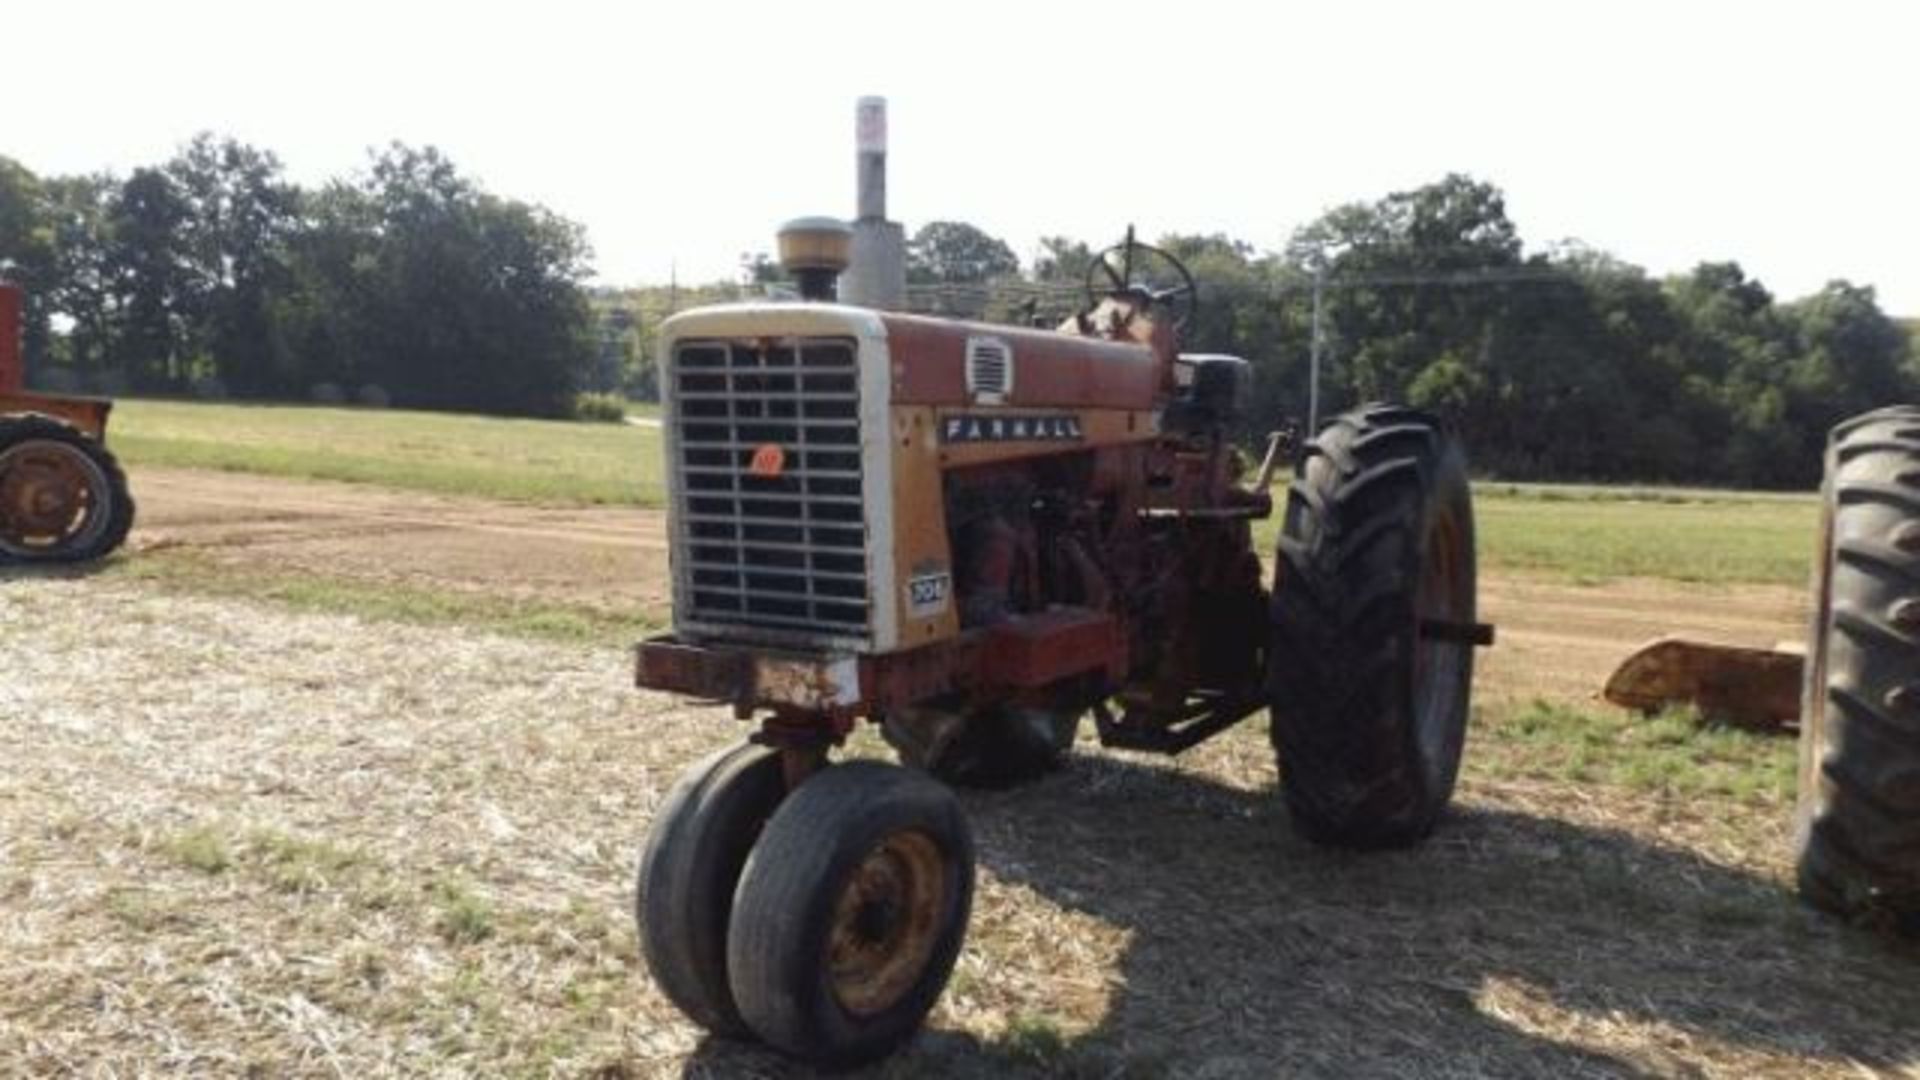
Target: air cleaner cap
[815, 250]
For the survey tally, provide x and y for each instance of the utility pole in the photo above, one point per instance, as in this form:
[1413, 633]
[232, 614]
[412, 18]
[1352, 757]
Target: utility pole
[1319, 338]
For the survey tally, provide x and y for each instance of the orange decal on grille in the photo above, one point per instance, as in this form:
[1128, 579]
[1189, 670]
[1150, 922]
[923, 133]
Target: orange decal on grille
[768, 461]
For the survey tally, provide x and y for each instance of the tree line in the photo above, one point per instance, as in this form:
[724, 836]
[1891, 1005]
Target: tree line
[1564, 363]
[212, 273]
[409, 282]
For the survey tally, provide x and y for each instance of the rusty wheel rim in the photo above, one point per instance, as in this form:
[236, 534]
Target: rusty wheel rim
[886, 923]
[50, 497]
[1438, 665]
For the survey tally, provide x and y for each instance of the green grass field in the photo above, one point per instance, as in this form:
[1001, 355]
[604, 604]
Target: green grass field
[1586, 533]
[536, 460]
[1593, 535]
[1682, 536]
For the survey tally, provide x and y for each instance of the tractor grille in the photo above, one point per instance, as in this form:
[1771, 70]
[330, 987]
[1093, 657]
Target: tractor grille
[782, 548]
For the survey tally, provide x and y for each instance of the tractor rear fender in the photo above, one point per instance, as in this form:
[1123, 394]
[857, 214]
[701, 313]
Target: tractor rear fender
[87, 414]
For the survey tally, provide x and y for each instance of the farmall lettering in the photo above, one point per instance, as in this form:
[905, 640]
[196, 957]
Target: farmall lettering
[996, 427]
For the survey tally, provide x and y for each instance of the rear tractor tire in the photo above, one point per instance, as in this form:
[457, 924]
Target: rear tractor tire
[1369, 704]
[998, 747]
[63, 497]
[851, 912]
[1858, 823]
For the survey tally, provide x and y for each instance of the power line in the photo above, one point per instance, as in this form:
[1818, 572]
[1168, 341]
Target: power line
[1464, 278]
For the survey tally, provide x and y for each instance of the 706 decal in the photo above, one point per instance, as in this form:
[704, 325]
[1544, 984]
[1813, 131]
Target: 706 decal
[927, 594]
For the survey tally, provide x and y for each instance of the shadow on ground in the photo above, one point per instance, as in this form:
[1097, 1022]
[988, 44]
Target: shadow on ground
[1509, 945]
[12, 571]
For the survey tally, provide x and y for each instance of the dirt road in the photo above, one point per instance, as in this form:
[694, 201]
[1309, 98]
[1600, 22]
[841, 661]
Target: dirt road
[606, 556]
[1557, 640]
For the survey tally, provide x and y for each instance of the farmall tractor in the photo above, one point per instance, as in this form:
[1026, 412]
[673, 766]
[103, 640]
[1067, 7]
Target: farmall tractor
[63, 498]
[976, 536]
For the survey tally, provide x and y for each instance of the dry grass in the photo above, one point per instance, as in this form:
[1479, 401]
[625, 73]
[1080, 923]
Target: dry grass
[499, 609]
[240, 839]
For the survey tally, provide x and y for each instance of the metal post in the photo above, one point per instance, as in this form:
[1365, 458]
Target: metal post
[1313, 376]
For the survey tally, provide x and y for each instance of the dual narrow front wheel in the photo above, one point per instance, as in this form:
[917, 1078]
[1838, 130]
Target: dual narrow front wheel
[824, 921]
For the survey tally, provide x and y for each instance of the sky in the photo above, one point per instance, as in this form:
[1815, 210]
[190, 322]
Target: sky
[1784, 136]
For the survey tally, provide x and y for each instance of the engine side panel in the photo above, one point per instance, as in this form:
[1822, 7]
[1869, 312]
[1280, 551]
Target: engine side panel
[924, 595]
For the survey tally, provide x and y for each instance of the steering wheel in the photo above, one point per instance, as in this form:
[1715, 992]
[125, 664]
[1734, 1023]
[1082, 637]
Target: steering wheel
[1154, 285]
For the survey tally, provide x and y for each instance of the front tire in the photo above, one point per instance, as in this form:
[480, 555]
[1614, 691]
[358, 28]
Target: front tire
[688, 871]
[851, 912]
[1369, 711]
[1859, 793]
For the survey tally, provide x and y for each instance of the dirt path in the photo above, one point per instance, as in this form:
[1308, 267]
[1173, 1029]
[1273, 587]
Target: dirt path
[1557, 640]
[607, 556]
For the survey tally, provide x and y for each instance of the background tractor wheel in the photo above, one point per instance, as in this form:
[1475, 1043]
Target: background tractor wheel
[63, 498]
[1859, 803]
[998, 747]
[851, 913]
[688, 871]
[1370, 712]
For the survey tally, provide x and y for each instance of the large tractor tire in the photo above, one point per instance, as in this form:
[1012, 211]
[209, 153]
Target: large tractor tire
[688, 871]
[63, 498]
[851, 913]
[1859, 802]
[1369, 693]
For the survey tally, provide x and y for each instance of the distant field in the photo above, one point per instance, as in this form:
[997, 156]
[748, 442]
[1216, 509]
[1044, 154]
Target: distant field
[543, 460]
[1587, 533]
[1593, 534]
[1599, 534]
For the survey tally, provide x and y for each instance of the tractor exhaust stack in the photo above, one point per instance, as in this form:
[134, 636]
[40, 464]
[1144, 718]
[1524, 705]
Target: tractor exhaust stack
[877, 277]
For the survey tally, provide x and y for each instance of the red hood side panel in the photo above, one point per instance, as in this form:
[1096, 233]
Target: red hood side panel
[1051, 370]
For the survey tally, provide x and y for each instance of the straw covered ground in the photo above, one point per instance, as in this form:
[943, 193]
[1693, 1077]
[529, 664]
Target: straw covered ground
[240, 838]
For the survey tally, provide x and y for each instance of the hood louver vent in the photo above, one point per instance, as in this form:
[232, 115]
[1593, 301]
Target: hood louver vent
[989, 370]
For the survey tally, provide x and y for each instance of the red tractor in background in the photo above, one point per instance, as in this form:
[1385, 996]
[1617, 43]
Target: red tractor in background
[63, 497]
[975, 536]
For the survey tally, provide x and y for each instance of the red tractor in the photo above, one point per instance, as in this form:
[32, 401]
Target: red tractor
[976, 536]
[63, 498]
